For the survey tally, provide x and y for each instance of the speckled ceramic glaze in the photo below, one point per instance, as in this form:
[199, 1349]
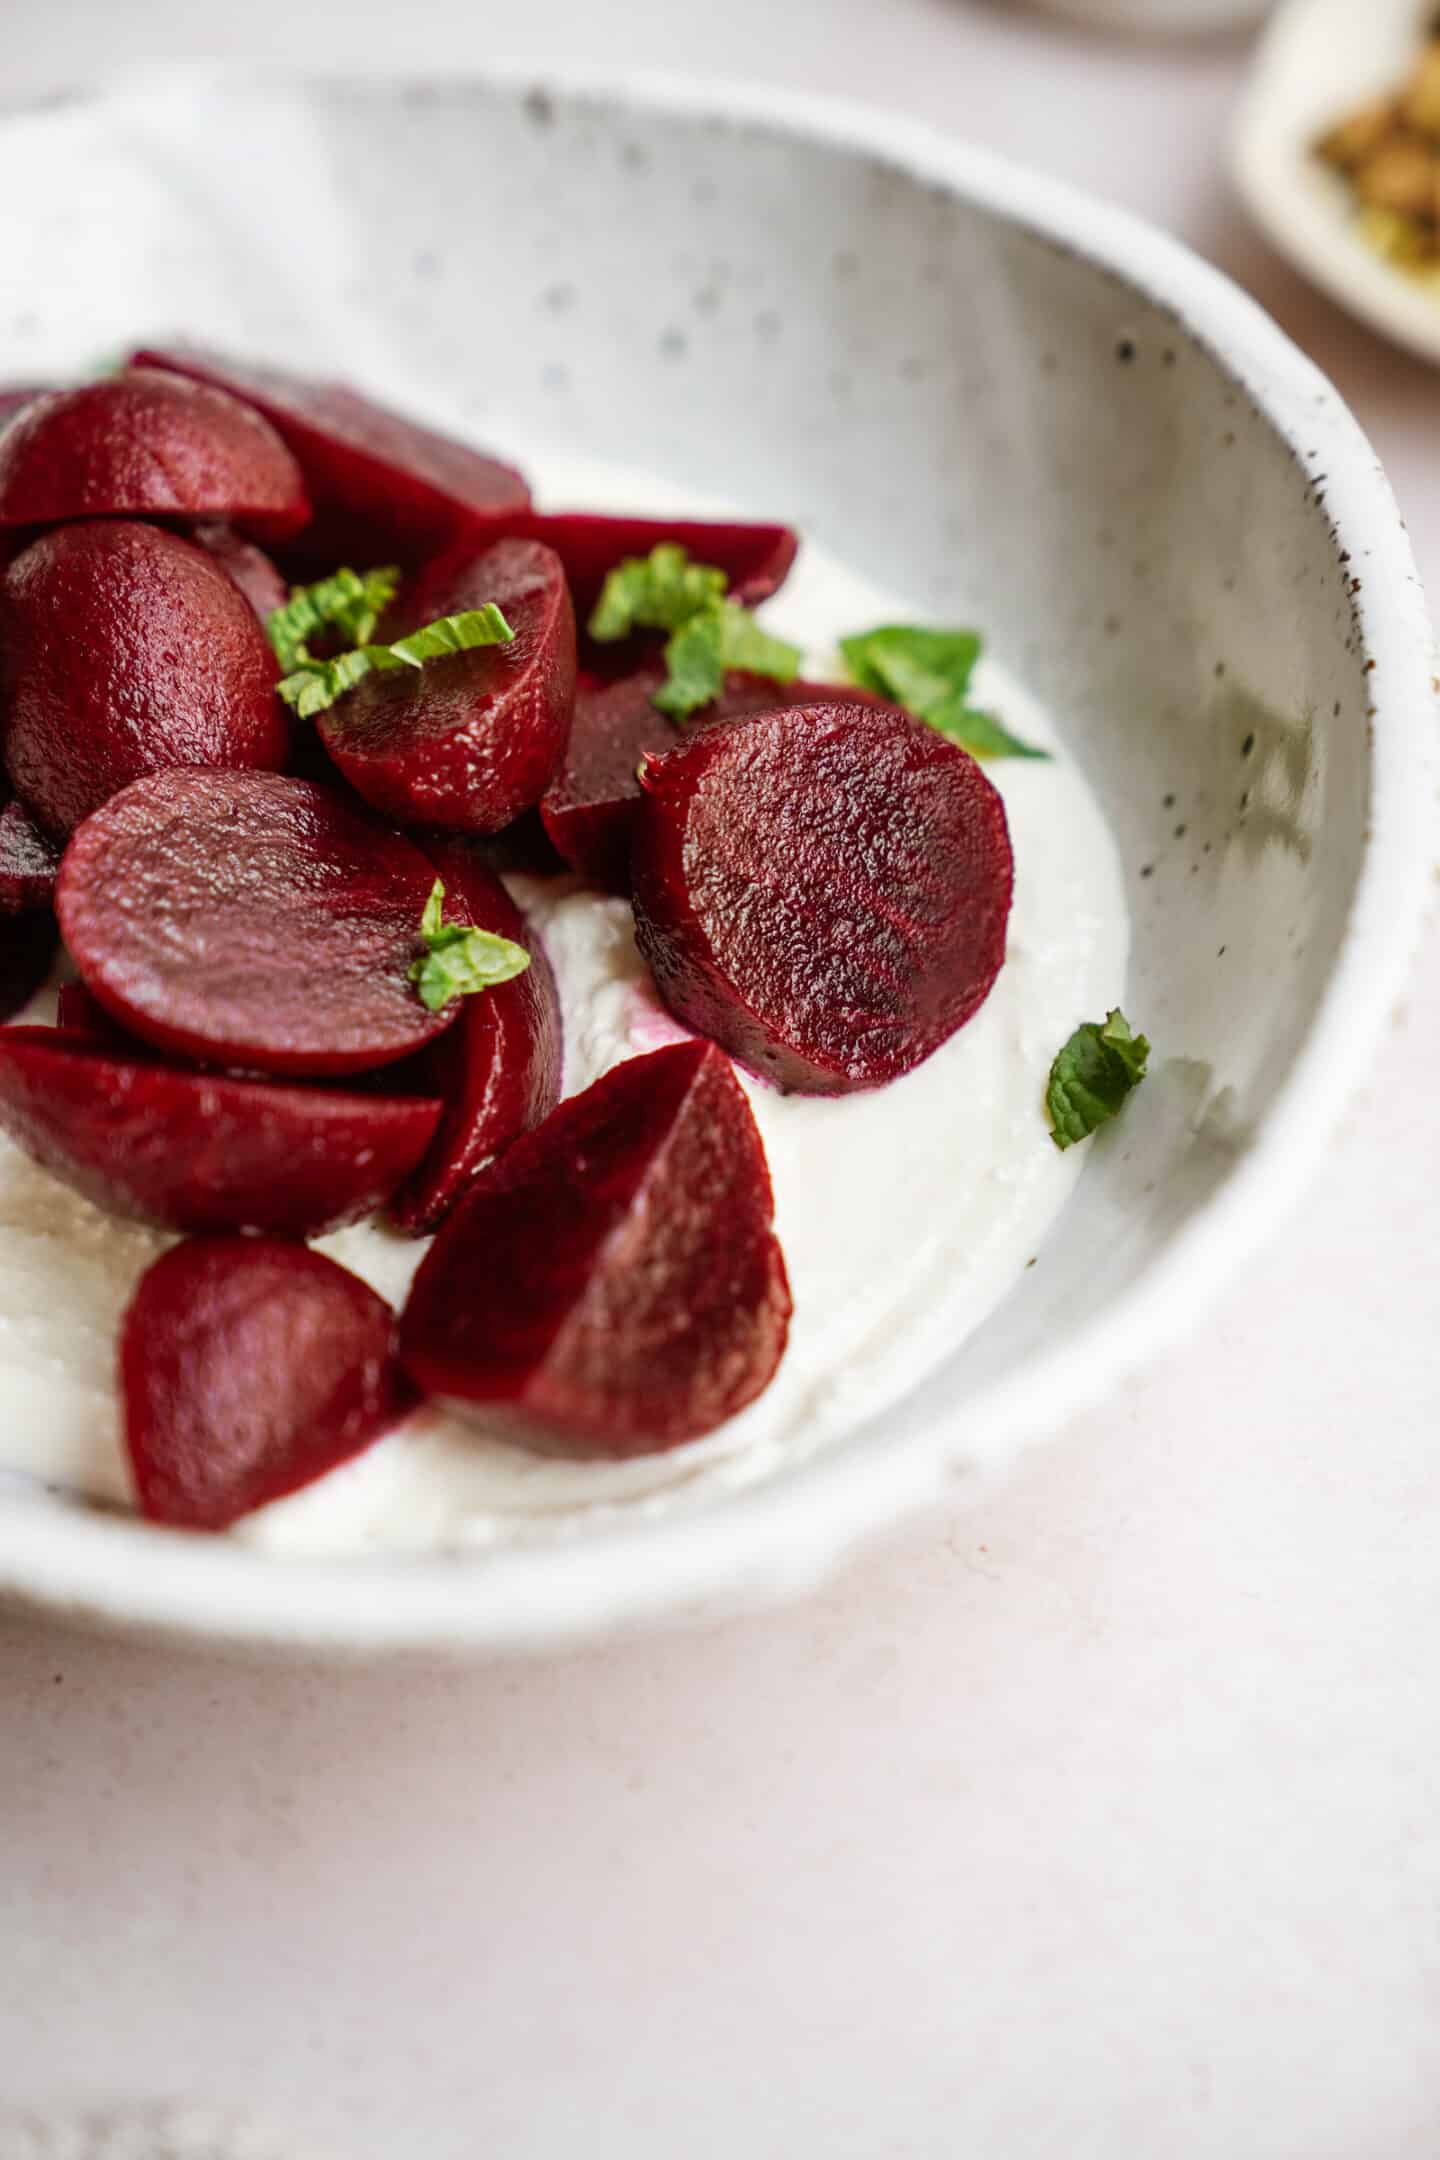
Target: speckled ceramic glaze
[1023, 410]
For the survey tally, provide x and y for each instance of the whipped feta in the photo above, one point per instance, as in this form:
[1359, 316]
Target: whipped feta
[905, 1214]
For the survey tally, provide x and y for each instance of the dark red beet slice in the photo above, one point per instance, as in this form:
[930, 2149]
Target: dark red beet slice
[498, 1070]
[128, 651]
[824, 891]
[27, 952]
[755, 558]
[613, 1281]
[382, 488]
[468, 742]
[249, 1368]
[77, 1013]
[201, 1151]
[29, 862]
[246, 919]
[246, 566]
[147, 444]
[589, 807]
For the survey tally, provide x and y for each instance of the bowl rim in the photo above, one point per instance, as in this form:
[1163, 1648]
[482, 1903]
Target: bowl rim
[781, 1535]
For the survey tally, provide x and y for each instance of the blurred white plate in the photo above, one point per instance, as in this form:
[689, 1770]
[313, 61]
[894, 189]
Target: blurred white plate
[1318, 60]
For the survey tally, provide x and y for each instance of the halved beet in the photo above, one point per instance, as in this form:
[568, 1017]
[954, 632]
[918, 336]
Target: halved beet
[250, 920]
[824, 891]
[246, 566]
[187, 1150]
[589, 807]
[755, 558]
[77, 1013]
[128, 651]
[498, 1070]
[613, 1281]
[382, 488]
[29, 861]
[147, 444]
[468, 742]
[249, 1368]
[27, 953]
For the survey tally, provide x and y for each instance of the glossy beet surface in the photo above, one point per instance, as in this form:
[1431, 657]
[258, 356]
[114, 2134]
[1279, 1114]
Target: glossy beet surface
[613, 1281]
[147, 444]
[497, 1071]
[250, 920]
[824, 891]
[755, 558]
[199, 1151]
[126, 651]
[382, 489]
[589, 807]
[29, 861]
[246, 566]
[469, 742]
[249, 1368]
[27, 953]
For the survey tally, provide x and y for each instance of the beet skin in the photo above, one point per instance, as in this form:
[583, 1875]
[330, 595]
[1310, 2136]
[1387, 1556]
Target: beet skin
[613, 1282]
[249, 1368]
[824, 891]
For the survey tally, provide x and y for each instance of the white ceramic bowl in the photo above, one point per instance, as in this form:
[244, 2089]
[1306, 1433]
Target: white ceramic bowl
[1015, 405]
[1319, 60]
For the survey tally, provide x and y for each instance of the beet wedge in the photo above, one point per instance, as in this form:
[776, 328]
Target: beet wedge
[186, 1150]
[150, 445]
[613, 1283]
[250, 920]
[824, 891]
[498, 1070]
[128, 651]
[590, 806]
[756, 559]
[246, 566]
[27, 954]
[29, 862]
[468, 742]
[382, 488]
[248, 1369]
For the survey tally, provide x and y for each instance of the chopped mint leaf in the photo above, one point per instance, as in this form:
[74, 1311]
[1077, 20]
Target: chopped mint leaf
[316, 684]
[658, 591]
[460, 960]
[348, 602]
[720, 637]
[928, 672]
[1092, 1076]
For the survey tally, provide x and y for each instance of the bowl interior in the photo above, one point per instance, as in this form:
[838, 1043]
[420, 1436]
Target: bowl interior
[978, 414]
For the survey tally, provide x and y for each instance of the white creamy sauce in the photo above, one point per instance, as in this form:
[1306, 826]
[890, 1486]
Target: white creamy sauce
[905, 1214]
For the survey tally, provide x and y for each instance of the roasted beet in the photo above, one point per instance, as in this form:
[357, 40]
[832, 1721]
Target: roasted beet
[27, 952]
[77, 1013]
[498, 1070]
[589, 807]
[29, 862]
[249, 1368]
[824, 891]
[147, 444]
[200, 1151]
[250, 920]
[382, 489]
[468, 742]
[128, 651]
[613, 1281]
[246, 566]
[755, 558]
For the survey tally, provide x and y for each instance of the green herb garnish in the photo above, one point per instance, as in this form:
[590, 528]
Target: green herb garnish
[316, 684]
[1091, 1078]
[348, 602]
[709, 634]
[458, 959]
[928, 672]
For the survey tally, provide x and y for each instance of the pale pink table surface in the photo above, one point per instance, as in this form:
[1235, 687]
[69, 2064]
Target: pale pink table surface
[1100, 1820]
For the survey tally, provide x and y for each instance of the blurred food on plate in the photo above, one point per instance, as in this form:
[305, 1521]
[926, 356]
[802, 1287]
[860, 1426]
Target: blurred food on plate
[1389, 151]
